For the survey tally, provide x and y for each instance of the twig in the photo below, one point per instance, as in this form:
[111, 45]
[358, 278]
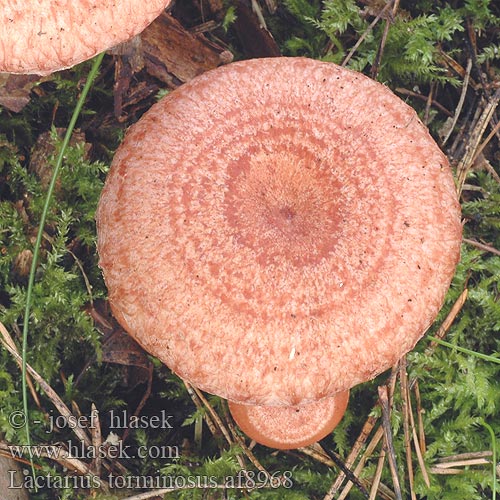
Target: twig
[356, 449]
[449, 465]
[365, 34]
[428, 103]
[64, 458]
[199, 404]
[405, 397]
[481, 147]
[214, 415]
[481, 246]
[437, 470]
[378, 57]
[379, 433]
[466, 162]
[469, 121]
[383, 393]
[142, 402]
[164, 491]
[318, 453]
[10, 341]
[258, 12]
[84, 275]
[419, 444]
[465, 456]
[378, 476]
[341, 465]
[457, 68]
[462, 463]
[95, 432]
[436, 104]
[421, 433]
[51, 394]
[460, 104]
[246, 450]
[5, 452]
[450, 318]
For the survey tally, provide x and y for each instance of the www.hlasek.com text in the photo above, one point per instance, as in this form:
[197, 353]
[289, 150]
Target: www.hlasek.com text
[90, 452]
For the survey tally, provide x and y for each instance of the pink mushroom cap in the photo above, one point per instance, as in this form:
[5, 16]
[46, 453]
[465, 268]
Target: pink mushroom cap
[279, 230]
[288, 427]
[48, 35]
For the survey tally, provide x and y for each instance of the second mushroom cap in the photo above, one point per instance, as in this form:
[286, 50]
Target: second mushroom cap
[48, 35]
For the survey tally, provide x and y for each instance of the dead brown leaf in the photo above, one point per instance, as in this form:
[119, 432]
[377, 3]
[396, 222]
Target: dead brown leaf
[15, 90]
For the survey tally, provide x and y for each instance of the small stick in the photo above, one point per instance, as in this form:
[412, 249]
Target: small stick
[245, 448]
[422, 446]
[365, 34]
[430, 98]
[462, 463]
[416, 442]
[258, 12]
[10, 341]
[378, 57]
[481, 246]
[199, 405]
[436, 104]
[356, 449]
[214, 415]
[317, 453]
[466, 456]
[405, 397]
[461, 101]
[383, 393]
[51, 394]
[368, 452]
[88, 286]
[7, 454]
[64, 458]
[341, 465]
[437, 470]
[472, 145]
[493, 132]
[450, 318]
[378, 476]
[142, 402]
[96, 435]
[420, 458]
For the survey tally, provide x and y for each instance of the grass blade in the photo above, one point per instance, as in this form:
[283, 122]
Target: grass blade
[31, 280]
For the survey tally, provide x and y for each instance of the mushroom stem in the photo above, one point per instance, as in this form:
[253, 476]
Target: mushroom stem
[287, 427]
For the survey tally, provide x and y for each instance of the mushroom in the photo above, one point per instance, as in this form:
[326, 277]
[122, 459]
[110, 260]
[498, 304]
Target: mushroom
[277, 231]
[49, 35]
[286, 427]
